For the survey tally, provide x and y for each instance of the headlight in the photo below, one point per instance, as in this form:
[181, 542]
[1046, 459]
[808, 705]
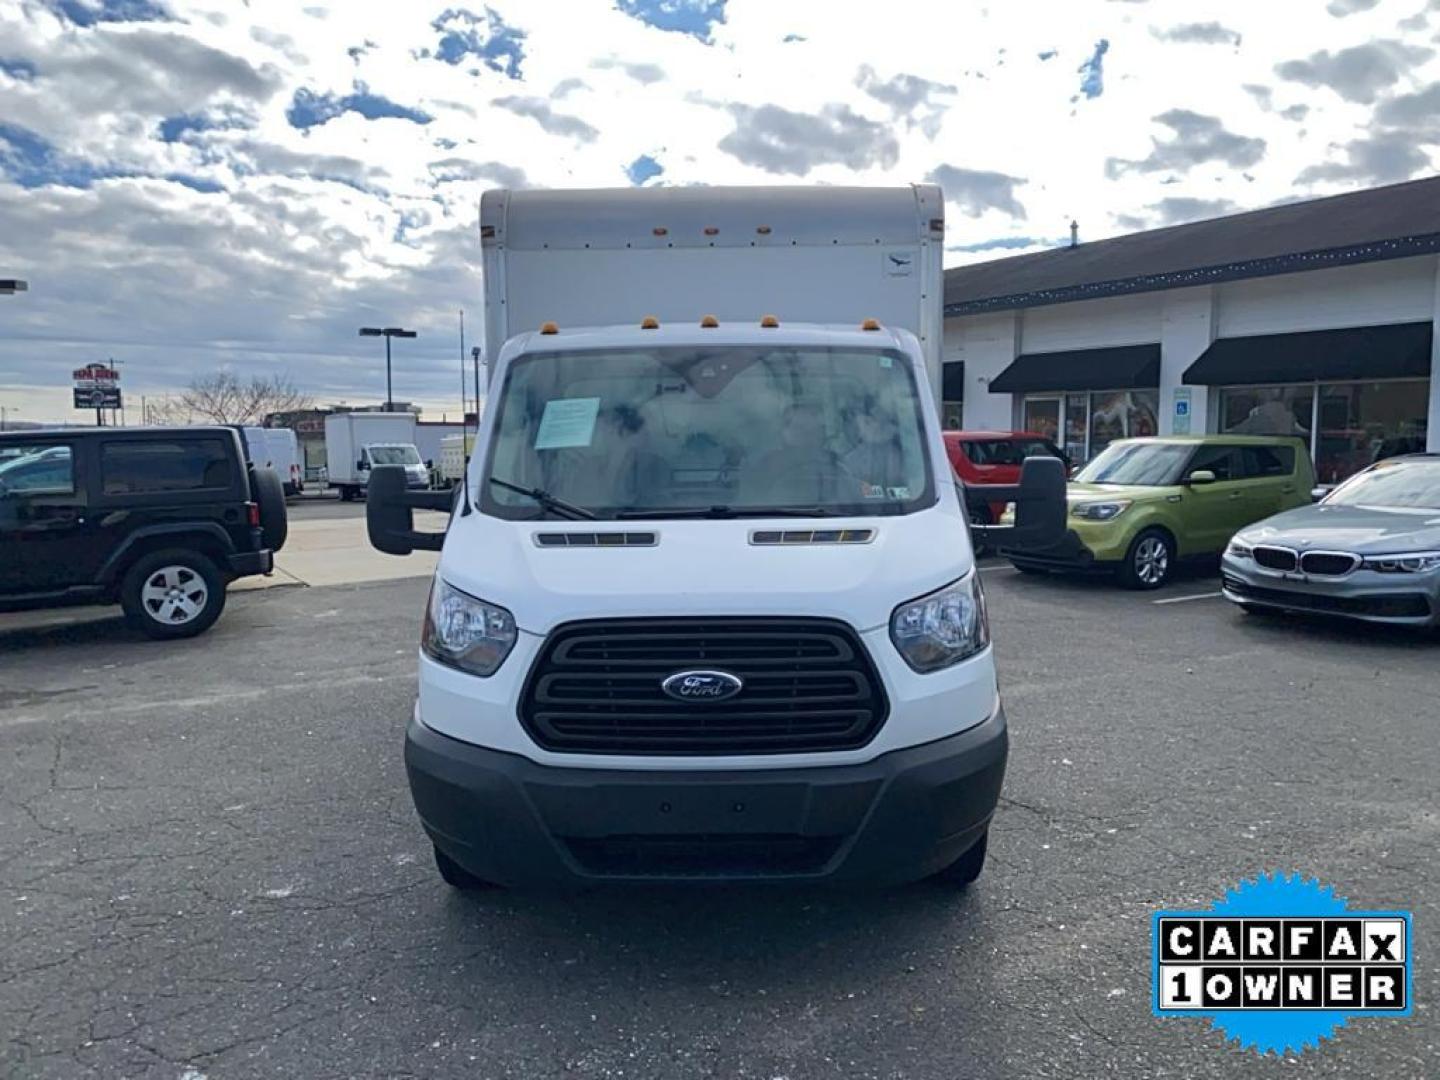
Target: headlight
[1238, 549]
[466, 633]
[1417, 562]
[935, 631]
[1099, 511]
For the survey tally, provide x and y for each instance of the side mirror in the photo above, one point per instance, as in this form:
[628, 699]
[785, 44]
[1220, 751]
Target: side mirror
[1200, 477]
[362, 465]
[389, 512]
[1039, 507]
[1318, 493]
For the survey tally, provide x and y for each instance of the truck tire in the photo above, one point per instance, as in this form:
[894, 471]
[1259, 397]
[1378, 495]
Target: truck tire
[174, 593]
[456, 876]
[269, 494]
[1150, 560]
[966, 869]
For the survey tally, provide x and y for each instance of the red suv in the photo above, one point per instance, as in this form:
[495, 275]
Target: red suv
[993, 457]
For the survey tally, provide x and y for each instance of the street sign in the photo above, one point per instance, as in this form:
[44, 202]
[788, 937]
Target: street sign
[97, 397]
[93, 375]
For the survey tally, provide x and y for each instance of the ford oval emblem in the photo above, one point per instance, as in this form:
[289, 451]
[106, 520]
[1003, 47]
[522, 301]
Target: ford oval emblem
[702, 685]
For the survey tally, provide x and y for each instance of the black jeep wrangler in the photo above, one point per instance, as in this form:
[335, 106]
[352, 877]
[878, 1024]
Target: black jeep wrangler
[160, 520]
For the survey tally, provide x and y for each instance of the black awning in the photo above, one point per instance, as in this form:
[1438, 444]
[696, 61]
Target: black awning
[952, 381]
[1123, 367]
[1359, 352]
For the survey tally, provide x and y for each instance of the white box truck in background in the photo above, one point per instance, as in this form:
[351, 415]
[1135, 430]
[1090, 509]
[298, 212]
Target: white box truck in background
[454, 454]
[707, 606]
[355, 442]
[430, 436]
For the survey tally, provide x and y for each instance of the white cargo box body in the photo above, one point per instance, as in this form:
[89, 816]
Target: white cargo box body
[454, 452]
[346, 434]
[834, 255]
[430, 436]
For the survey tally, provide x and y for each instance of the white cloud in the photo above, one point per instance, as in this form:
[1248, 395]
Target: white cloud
[296, 237]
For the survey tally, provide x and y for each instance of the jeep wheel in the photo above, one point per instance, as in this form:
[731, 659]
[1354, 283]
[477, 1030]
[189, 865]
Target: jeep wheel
[173, 594]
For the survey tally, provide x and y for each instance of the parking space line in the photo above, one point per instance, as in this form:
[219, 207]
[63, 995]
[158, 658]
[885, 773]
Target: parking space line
[1183, 599]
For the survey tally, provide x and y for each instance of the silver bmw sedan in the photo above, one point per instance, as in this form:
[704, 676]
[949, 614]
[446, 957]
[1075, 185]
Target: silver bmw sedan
[1369, 550]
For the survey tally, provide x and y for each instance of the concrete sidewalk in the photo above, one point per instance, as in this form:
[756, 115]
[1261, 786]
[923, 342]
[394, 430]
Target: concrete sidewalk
[337, 551]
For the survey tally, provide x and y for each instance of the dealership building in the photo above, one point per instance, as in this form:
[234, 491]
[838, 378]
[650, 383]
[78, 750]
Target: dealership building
[1318, 319]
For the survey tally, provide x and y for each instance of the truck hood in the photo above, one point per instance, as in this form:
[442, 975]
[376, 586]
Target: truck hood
[706, 567]
[1360, 529]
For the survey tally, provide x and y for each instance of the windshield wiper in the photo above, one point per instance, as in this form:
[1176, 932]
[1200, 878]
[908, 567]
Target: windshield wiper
[721, 512]
[545, 499]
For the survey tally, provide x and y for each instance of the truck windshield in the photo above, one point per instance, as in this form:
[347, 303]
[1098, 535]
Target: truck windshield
[1145, 464]
[394, 455]
[737, 431]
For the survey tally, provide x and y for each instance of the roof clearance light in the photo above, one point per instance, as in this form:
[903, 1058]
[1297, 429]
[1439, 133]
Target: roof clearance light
[649, 322]
[763, 230]
[549, 328]
[711, 230]
[870, 324]
[660, 230]
[769, 322]
[709, 322]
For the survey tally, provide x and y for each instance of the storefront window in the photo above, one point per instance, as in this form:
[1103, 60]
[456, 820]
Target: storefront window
[1267, 410]
[1363, 422]
[1091, 422]
[1358, 423]
[1122, 414]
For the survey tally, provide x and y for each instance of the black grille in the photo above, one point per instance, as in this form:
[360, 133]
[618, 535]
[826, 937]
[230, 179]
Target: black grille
[703, 855]
[808, 685]
[1274, 558]
[1328, 564]
[1378, 605]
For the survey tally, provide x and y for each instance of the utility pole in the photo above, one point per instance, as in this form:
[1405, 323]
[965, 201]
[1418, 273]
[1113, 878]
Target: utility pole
[462, 377]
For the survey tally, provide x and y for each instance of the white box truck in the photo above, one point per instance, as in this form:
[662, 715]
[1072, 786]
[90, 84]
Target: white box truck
[356, 442]
[707, 605]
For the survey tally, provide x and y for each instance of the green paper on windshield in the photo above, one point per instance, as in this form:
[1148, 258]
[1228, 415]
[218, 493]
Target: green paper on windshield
[567, 422]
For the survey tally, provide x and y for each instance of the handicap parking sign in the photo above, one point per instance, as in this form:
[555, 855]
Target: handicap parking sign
[1182, 408]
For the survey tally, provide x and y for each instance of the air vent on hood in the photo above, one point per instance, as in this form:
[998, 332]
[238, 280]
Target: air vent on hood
[596, 539]
[812, 536]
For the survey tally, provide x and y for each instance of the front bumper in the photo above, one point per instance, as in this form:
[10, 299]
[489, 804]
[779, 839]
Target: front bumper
[1071, 553]
[1401, 600]
[898, 817]
[250, 563]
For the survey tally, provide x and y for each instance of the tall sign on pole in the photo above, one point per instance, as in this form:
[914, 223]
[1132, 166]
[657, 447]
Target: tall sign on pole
[97, 387]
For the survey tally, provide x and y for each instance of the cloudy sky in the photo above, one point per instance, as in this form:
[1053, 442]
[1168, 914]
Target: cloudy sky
[190, 185]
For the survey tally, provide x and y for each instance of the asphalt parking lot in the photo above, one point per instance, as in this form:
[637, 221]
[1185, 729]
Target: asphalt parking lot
[209, 866]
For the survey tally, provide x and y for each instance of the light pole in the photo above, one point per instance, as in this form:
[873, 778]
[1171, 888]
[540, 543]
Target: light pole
[3, 409]
[387, 333]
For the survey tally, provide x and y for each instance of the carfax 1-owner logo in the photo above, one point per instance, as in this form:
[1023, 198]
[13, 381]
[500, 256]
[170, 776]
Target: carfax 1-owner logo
[1281, 963]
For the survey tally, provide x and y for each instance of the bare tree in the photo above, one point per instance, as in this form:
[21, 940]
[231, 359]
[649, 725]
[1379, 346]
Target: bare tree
[222, 397]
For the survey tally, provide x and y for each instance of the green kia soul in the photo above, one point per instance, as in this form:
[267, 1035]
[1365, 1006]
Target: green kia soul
[1144, 504]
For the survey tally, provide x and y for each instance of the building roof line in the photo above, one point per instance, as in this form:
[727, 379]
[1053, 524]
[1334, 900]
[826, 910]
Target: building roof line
[1347, 255]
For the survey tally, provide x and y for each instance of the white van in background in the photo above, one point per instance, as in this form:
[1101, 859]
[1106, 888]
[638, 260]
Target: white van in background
[707, 605]
[277, 449]
[284, 447]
